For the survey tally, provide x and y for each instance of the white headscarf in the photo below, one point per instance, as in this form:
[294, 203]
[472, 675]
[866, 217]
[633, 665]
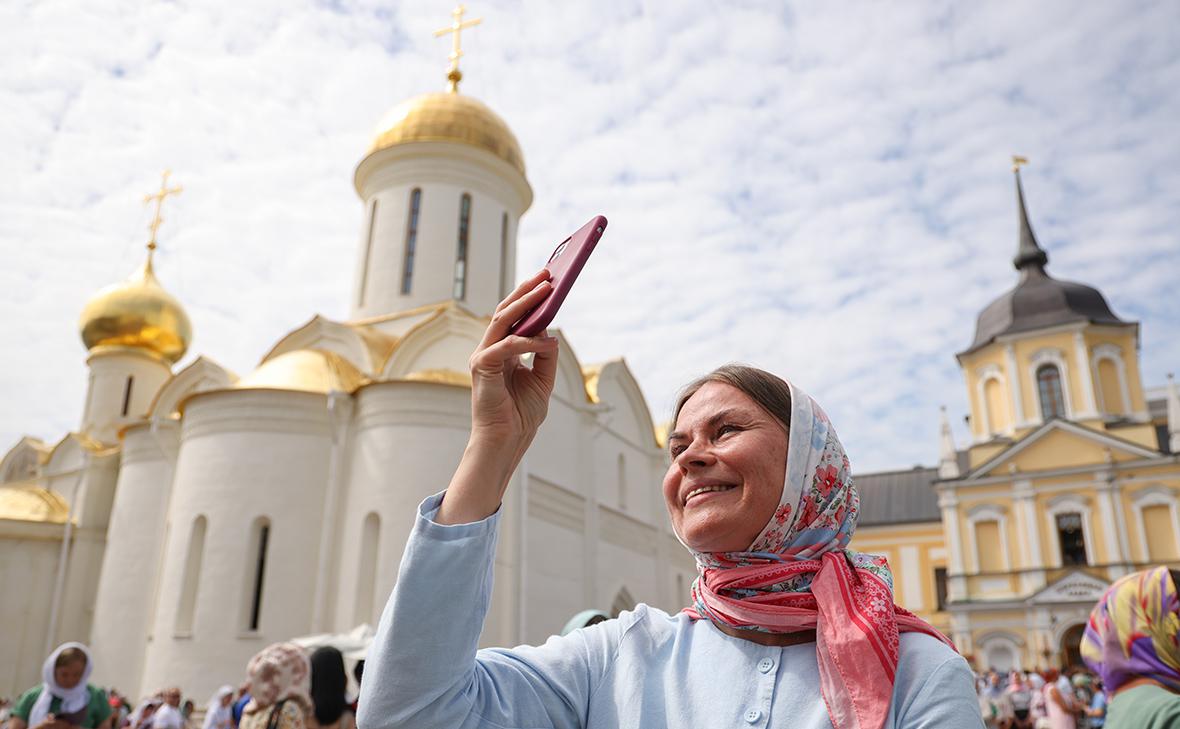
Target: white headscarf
[217, 715]
[73, 699]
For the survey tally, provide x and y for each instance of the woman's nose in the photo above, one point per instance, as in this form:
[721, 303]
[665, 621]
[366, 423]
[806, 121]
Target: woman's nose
[697, 454]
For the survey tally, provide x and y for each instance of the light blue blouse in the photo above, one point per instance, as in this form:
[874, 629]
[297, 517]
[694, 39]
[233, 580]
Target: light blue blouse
[644, 669]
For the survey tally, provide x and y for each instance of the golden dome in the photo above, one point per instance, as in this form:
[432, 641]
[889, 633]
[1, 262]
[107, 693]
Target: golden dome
[137, 313]
[306, 370]
[448, 117]
[32, 503]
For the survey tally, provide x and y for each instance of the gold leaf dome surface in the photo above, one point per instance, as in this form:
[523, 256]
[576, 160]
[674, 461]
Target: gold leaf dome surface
[306, 370]
[32, 504]
[137, 313]
[449, 117]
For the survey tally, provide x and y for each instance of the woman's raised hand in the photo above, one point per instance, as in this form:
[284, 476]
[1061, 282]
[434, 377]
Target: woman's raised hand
[508, 404]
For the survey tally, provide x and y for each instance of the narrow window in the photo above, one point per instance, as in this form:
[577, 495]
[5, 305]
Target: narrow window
[191, 578]
[411, 240]
[622, 468]
[987, 546]
[940, 587]
[261, 538]
[1049, 389]
[127, 394]
[505, 278]
[368, 252]
[1071, 538]
[460, 291]
[367, 572]
[1161, 537]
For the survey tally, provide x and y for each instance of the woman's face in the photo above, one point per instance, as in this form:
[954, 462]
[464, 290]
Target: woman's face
[729, 461]
[69, 674]
[227, 699]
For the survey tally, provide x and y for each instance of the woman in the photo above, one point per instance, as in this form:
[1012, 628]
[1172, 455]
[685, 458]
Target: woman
[329, 690]
[1131, 642]
[1020, 699]
[1059, 703]
[219, 711]
[786, 626]
[63, 698]
[278, 677]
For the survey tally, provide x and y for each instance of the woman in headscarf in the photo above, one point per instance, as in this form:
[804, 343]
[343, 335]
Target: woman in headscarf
[786, 626]
[1133, 643]
[64, 697]
[329, 690]
[279, 677]
[219, 711]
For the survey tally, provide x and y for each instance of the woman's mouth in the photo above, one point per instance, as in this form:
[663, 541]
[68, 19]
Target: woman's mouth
[705, 490]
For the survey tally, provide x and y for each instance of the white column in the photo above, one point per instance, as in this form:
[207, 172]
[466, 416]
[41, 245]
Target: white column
[1032, 578]
[956, 581]
[1086, 377]
[1173, 415]
[1015, 387]
[339, 414]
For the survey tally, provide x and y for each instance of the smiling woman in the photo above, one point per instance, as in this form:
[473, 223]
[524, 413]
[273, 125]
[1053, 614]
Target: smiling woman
[786, 626]
[64, 699]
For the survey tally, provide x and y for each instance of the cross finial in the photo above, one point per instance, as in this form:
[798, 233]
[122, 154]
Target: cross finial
[454, 75]
[1018, 162]
[159, 196]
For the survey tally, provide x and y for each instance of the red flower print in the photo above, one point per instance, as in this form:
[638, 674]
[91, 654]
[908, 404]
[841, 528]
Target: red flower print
[825, 479]
[783, 513]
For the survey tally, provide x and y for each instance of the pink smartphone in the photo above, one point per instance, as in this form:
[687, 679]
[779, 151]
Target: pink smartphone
[564, 266]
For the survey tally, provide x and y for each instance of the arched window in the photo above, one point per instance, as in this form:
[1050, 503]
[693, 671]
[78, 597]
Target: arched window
[191, 578]
[1049, 390]
[1160, 533]
[1110, 387]
[256, 572]
[505, 277]
[460, 291]
[623, 601]
[367, 571]
[411, 239]
[368, 253]
[127, 394]
[987, 546]
[1071, 538]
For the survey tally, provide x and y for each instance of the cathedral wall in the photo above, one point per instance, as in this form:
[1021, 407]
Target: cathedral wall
[123, 384]
[247, 459]
[28, 567]
[556, 576]
[125, 599]
[1126, 341]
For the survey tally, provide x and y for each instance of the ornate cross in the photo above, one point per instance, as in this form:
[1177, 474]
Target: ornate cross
[456, 27]
[1018, 162]
[164, 192]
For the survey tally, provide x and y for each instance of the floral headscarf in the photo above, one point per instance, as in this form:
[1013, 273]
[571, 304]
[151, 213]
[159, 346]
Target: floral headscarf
[1134, 629]
[798, 576]
[279, 671]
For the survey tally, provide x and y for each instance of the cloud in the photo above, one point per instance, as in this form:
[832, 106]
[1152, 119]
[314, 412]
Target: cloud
[817, 188]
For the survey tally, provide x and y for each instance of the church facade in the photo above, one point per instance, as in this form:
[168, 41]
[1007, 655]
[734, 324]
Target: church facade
[1071, 479]
[198, 515]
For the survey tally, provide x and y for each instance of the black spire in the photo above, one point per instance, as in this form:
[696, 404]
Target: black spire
[1029, 255]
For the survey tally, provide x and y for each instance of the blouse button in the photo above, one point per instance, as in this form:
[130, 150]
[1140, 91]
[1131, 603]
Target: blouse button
[765, 665]
[753, 715]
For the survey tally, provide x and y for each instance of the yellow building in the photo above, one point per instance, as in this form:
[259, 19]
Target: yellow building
[1071, 479]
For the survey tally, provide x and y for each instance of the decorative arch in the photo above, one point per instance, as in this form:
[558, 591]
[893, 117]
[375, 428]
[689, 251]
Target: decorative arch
[25, 461]
[994, 423]
[1114, 354]
[1000, 645]
[1055, 357]
[983, 513]
[443, 341]
[623, 601]
[1160, 497]
[366, 347]
[1065, 504]
[203, 375]
[615, 386]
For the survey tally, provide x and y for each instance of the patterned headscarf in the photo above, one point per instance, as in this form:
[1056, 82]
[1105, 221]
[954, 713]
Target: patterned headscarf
[1134, 629]
[279, 671]
[798, 576]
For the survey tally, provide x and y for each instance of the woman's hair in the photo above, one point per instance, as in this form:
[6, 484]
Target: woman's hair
[772, 393]
[70, 655]
[328, 684]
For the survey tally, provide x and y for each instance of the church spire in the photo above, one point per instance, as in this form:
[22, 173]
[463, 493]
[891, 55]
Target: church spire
[1029, 254]
[458, 24]
[948, 457]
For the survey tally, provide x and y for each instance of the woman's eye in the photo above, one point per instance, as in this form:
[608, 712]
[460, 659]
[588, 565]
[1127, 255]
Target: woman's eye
[727, 429]
[676, 450]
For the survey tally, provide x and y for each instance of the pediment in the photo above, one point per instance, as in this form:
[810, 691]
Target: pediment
[1061, 444]
[1076, 586]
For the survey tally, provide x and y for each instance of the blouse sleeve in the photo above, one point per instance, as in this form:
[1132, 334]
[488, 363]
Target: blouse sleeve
[947, 698]
[423, 669]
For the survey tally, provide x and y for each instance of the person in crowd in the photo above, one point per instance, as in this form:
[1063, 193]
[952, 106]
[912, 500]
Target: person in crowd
[1132, 641]
[1060, 706]
[785, 623]
[329, 690]
[168, 714]
[144, 715]
[279, 677]
[5, 710]
[358, 672]
[1096, 709]
[219, 711]
[1020, 699]
[993, 702]
[584, 619]
[64, 697]
[240, 703]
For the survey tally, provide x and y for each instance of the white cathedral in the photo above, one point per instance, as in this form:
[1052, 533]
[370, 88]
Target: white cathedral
[196, 516]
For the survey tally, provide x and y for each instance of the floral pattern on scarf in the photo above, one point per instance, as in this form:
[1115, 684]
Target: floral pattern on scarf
[1134, 631]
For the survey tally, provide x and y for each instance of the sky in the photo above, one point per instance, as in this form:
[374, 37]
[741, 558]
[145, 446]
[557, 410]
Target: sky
[820, 189]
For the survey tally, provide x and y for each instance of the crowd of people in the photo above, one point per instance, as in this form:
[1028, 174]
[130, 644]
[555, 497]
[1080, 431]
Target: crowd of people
[1046, 699]
[285, 687]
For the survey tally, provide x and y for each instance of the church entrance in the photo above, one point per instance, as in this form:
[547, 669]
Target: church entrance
[1071, 646]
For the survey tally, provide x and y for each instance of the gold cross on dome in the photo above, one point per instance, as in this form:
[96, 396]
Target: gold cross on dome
[1018, 162]
[164, 192]
[454, 75]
